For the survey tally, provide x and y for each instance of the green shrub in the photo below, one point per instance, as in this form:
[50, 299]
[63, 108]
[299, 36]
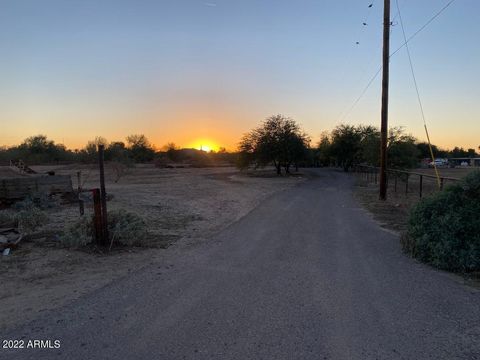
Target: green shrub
[26, 216]
[444, 229]
[126, 228]
[36, 199]
[7, 219]
[78, 234]
[30, 219]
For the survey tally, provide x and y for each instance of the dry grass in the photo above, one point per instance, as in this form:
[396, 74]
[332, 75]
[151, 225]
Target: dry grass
[177, 204]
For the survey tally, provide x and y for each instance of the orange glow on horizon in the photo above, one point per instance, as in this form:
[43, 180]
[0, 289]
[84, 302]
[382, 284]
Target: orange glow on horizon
[205, 145]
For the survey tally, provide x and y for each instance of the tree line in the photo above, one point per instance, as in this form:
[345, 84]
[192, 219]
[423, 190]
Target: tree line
[136, 148]
[278, 141]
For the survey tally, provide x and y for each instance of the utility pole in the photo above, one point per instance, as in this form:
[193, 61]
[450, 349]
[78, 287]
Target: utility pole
[385, 78]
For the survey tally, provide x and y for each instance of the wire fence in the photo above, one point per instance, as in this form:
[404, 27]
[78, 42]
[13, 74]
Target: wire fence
[407, 182]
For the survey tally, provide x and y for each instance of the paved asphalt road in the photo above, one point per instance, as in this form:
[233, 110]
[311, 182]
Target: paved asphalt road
[306, 275]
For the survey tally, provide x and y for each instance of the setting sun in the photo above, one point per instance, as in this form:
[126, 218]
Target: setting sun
[205, 148]
[205, 145]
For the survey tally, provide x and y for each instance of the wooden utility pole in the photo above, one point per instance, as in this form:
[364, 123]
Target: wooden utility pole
[385, 78]
[103, 194]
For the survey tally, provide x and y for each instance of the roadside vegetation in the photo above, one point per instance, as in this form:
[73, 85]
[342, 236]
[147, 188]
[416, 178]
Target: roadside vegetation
[124, 228]
[443, 229]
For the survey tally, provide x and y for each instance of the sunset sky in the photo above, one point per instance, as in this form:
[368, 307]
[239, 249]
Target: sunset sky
[204, 72]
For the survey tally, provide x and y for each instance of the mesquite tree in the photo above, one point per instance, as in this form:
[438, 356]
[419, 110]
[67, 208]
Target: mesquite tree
[278, 141]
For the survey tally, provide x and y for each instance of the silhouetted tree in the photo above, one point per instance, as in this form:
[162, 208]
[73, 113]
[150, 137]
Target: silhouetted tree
[323, 154]
[402, 152]
[140, 148]
[458, 152]
[172, 152]
[278, 141]
[346, 145]
[351, 145]
[39, 149]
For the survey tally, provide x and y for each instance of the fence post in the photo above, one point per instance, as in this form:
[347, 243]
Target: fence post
[97, 218]
[406, 184]
[79, 190]
[421, 185]
[103, 194]
[395, 187]
[441, 183]
[375, 172]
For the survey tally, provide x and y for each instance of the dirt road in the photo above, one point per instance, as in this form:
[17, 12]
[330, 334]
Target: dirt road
[306, 275]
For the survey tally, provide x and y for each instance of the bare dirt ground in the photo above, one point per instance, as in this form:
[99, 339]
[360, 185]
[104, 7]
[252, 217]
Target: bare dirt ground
[180, 206]
[393, 213]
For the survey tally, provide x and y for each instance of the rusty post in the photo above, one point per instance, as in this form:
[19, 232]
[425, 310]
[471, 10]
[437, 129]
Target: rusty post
[103, 194]
[97, 219]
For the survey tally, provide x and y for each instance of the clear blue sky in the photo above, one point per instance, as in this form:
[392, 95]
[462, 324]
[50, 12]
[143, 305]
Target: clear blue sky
[191, 70]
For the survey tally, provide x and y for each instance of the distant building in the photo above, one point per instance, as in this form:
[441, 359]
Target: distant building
[465, 161]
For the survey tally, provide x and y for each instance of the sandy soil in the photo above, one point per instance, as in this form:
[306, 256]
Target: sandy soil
[183, 207]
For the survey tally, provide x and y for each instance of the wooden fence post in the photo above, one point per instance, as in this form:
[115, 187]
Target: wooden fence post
[103, 194]
[97, 219]
[79, 190]
[421, 185]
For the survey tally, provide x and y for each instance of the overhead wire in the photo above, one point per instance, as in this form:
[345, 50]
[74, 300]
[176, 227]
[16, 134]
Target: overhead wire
[418, 94]
[344, 115]
[405, 43]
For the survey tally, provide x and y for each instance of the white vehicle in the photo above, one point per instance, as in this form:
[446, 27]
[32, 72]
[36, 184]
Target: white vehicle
[438, 163]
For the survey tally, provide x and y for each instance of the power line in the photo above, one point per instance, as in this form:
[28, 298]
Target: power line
[411, 64]
[361, 94]
[406, 41]
[418, 94]
[423, 27]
